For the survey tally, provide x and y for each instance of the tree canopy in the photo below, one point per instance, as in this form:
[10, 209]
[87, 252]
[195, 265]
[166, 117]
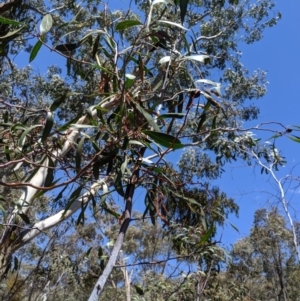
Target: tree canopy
[119, 95]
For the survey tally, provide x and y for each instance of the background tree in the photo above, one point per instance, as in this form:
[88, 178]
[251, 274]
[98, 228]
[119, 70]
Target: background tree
[265, 263]
[137, 86]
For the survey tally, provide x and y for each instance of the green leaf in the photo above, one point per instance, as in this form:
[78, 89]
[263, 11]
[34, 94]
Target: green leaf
[59, 196]
[79, 153]
[34, 51]
[48, 127]
[164, 139]
[190, 200]
[58, 101]
[127, 24]
[130, 78]
[172, 115]
[234, 227]
[7, 153]
[12, 34]
[205, 238]
[67, 47]
[148, 117]
[180, 103]
[295, 138]
[119, 176]
[139, 290]
[46, 24]
[8, 21]
[201, 122]
[75, 194]
[21, 141]
[183, 9]
[50, 176]
[24, 217]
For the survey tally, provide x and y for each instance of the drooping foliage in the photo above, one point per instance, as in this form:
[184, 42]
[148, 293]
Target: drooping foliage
[111, 96]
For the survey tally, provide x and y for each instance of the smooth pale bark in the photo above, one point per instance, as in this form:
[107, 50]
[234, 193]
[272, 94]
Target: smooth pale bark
[11, 239]
[99, 286]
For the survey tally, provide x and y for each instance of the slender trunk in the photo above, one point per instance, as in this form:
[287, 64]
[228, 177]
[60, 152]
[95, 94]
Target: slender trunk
[98, 288]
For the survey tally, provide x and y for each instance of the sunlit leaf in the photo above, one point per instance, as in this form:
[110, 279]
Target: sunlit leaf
[165, 59]
[46, 24]
[199, 57]
[130, 78]
[172, 23]
[127, 24]
[164, 139]
[163, 1]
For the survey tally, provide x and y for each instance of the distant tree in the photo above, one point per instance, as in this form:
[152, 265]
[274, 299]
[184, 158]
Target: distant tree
[265, 262]
[138, 85]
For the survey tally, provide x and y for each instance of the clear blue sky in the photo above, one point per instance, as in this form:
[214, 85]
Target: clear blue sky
[279, 54]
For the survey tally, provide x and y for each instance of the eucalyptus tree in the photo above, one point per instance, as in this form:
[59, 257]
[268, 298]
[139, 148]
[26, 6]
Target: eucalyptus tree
[265, 262]
[140, 84]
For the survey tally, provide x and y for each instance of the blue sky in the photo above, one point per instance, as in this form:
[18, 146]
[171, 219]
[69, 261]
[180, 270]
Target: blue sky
[279, 54]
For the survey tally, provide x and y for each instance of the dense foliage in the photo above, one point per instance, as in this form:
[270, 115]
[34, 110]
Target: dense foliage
[127, 91]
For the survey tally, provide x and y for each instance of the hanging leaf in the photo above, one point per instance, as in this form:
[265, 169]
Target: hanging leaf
[127, 24]
[201, 122]
[79, 153]
[59, 196]
[8, 21]
[48, 127]
[34, 51]
[180, 103]
[22, 139]
[24, 217]
[7, 153]
[139, 290]
[183, 9]
[202, 58]
[57, 102]
[50, 176]
[96, 169]
[164, 139]
[75, 194]
[46, 24]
